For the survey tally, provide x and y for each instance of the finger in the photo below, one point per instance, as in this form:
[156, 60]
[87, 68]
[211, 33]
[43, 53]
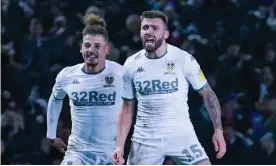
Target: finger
[114, 157]
[222, 149]
[215, 142]
[120, 160]
[220, 155]
[117, 162]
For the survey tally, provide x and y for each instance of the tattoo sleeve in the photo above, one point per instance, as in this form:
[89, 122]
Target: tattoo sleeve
[212, 105]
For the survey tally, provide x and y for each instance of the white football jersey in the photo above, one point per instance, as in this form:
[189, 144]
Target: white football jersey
[161, 87]
[95, 101]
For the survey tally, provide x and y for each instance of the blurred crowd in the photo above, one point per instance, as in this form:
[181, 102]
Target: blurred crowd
[233, 41]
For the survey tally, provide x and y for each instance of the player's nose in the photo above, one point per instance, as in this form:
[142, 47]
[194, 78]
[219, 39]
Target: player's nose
[90, 49]
[149, 31]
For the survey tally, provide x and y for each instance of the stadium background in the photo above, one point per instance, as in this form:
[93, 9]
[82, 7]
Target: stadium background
[233, 41]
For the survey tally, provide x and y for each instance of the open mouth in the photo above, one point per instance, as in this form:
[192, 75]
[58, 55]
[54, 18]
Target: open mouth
[149, 40]
[92, 56]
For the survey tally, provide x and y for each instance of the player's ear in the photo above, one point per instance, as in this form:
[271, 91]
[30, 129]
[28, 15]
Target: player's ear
[80, 48]
[166, 34]
[108, 48]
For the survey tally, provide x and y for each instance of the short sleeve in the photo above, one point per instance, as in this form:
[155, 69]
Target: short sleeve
[58, 89]
[128, 86]
[193, 73]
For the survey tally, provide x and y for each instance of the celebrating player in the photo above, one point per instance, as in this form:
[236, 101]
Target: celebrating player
[94, 89]
[159, 76]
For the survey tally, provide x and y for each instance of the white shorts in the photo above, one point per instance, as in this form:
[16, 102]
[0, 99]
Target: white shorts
[152, 151]
[86, 158]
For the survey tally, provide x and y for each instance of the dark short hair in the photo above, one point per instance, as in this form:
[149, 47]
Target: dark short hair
[94, 25]
[155, 14]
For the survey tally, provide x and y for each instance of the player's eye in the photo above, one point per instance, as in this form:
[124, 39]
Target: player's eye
[97, 46]
[86, 45]
[154, 27]
[146, 27]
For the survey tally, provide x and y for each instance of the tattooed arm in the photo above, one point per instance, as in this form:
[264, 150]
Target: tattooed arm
[212, 105]
[198, 81]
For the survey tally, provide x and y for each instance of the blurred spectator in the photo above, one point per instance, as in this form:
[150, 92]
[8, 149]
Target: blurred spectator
[27, 7]
[227, 69]
[32, 44]
[130, 37]
[95, 10]
[238, 147]
[59, 26]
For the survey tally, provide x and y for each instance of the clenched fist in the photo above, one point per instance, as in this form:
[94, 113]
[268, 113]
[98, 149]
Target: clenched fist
[118, 156]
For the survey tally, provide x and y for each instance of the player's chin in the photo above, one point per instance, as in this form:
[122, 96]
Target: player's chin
[92, 62]
[149, 48]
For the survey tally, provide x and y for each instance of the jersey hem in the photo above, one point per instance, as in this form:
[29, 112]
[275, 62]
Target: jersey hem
[126, 99]
[56, 97]
[202, 87]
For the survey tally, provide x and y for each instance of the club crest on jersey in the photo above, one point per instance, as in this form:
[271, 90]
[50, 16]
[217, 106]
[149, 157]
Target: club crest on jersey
[109, 79]
[170, 68]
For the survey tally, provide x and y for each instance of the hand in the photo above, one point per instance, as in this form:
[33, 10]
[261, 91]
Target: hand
[118, 156]
[58, 144]
[219, 143]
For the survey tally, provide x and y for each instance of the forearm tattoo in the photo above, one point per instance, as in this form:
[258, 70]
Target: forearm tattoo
[212, 106]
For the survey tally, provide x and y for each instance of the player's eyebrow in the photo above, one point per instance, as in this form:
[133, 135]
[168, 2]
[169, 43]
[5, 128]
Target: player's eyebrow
[86, 43]
[155, 26]
[152, 25]
[97, 44]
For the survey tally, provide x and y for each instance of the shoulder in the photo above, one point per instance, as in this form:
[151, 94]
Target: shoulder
[68, 71]
[113, 64]
[180, 55]
[132, 60]
[114, 67]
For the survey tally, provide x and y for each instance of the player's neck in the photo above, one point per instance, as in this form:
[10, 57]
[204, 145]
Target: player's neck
[161, 51]
[94, 69]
